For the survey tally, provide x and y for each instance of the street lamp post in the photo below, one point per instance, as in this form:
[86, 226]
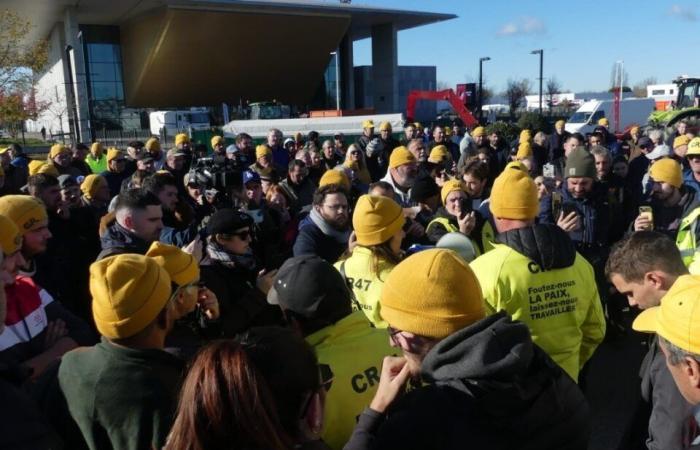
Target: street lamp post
[337, 83]
[541, 53]
[481, 87]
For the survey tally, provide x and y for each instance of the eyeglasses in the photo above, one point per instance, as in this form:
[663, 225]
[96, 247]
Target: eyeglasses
[242, 235]
[336, 208]
[393, 332]
[355, 152]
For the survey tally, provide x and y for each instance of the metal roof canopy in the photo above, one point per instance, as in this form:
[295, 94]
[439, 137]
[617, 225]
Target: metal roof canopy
[45, 13]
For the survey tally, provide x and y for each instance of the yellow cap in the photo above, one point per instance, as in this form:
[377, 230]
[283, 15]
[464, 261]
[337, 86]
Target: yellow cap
[603, 121]
[634, 129]
[27, 212]
[667, 170]
[525, 135]
[514, 194]
[4, 149]
[694, 147]
[128, 292]
[681, 140]
[91, 184]
[58, 149]
[439, 154]
[10, 237]
[96, 148]
[479, 131]
[385, 126]
[450, 186]
[418, 125]
[181, 138]
[333, 176]
[34, 166]
[217, 140]
[559, 124]
[677, 319]
[48, 169]
[524, 150]
[152, 145]
[433, 293]
[180, 265]
[376, 219]
[113, 153]
[368, 124]
[401, 156]
[262, 150]
[447, 131]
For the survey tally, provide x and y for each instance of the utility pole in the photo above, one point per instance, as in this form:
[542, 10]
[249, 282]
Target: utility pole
[541, 53]
[481, 87]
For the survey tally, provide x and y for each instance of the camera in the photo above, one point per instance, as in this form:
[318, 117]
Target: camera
[218, 178]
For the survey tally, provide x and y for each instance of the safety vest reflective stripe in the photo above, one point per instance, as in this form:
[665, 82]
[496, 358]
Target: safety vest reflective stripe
[685, 239]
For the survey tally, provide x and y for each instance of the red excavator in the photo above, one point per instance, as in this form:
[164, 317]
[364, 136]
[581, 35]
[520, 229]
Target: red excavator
[447, 95]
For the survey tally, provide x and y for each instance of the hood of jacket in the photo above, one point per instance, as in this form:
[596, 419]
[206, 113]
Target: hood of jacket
[547, 245]
[116, 236]
[495, 362]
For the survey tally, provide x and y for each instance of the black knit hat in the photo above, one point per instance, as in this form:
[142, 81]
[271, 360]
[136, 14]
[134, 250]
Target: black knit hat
[227, 221]
[424, 188]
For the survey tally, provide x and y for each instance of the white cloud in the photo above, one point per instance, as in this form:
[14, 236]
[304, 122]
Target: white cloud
[683, 13]
[523, 25]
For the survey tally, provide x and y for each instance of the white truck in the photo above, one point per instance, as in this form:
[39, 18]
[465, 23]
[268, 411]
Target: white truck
[179, 121]
[632, 111]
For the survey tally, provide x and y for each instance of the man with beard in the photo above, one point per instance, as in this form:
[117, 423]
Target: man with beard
[675, 211]
[402, 173]
[325, 232]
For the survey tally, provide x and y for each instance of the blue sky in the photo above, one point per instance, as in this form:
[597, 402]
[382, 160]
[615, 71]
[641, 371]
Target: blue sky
[581, 40]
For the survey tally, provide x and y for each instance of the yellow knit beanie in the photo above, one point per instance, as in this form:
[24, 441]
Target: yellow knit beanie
[216, 140]
[559, 124]
[439, 154]
[96, 149]
[432, 293]
[525, 135]
[681, 140]
[58, 149]
[603, 121]
[514, 194]
[10, 238]
[128, 292]
[113, 153]
[376, 219]
[181, 138]
[34, 166]
[479, 131]
[25, 211]
[667, 170]
[524, 151]
[262, 150]
[180, 265]
[334, 176]
[401, 156]
[450, 186]
[91, 184]
[152, 145]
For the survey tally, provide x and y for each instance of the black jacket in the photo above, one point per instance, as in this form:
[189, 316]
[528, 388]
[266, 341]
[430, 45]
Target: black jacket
[242, 305]
[312, 241]
[117, 240]
[487, 387]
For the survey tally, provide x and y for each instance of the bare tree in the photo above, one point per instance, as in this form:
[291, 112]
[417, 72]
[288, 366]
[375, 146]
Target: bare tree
[552, 89]
[441, 86]
[640, 89]
[515, 93]
[615, 82]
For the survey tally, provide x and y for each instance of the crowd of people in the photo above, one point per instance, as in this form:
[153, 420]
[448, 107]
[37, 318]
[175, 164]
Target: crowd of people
[420, 288]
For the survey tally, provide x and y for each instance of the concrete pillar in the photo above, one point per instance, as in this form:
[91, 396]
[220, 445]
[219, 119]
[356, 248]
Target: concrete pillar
[385, 75]
[347, 74]
[78, 75]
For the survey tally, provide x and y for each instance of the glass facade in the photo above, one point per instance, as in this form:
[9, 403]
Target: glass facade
[103, 61]
[330, 79]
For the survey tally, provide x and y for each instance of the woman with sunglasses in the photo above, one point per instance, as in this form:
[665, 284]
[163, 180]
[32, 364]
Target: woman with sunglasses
[230, 269]
[262, 390]
[378, 224]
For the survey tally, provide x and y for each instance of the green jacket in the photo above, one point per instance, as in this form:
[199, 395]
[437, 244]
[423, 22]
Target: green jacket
[536, 276]
[121, 398]
[350, 352]
[365, 284]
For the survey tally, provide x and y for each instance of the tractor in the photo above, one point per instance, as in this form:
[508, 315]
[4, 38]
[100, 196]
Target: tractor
[686, 107]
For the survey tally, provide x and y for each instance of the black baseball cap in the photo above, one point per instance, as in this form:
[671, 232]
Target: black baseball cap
[312, 288]
[228, 220]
